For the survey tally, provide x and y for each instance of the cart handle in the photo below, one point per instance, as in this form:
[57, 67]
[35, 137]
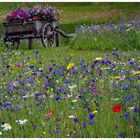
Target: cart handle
[63, 33]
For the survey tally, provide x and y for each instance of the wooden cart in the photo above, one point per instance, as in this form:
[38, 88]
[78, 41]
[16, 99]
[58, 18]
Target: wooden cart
[15, 31]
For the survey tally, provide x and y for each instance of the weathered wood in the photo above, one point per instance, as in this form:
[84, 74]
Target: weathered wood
[57, 39]
[32, 29]
[30, 43]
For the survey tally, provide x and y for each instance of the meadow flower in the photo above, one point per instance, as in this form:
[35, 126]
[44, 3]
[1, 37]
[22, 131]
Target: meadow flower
[70, 65]
[94, 112]
[75, 119]
[135, 110]
[71, 116]
[91, 116]
[131, 108]
[116, 77]
[21, 122]
[129, 98]
[127, 116]
[57, 98]
[120, 134]
[49, 115]
[6, 127]
[73, 101]
[114, 99]
[116, 108]
[98, 58]
[0, 133]
[136, 73]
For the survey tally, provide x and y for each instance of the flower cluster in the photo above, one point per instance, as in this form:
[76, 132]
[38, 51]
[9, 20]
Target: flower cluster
[69, 96]
[48, 14]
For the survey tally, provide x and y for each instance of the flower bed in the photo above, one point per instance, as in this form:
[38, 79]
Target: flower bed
[49, 14]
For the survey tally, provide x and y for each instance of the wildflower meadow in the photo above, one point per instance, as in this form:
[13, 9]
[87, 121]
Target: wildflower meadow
[74, 92]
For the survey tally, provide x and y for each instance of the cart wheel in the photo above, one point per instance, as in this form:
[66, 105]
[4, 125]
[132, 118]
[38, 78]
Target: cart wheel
[48, 35]
[12, 44]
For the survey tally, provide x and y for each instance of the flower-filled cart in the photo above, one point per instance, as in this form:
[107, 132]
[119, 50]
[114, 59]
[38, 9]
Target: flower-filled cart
[30, 24]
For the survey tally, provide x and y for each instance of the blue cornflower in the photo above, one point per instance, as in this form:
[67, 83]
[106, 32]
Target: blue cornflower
[91, 116]
[91, 122]
[46, 85]
[132, 63]
[127, 116]
[57, 98]
[84, 124]
[92, 65]
[31, 66]
[120, 134]
[75, 120]
[50, 68]
[59, 90]
[129, 98]
[57, 132]
[37, 95]
[126, 87]
[37, 52]
[3, 72]
[135, 110]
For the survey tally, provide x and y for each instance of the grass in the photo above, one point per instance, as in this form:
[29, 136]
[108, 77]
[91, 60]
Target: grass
[35, 110]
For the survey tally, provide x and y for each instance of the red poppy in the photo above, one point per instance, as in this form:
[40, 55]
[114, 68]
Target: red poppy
[49, 115]
[116, 108]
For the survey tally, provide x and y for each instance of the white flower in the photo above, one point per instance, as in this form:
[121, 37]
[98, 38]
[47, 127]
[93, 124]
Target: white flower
[71, 89]
[73, 101]
[0, 133]
[71, 116]
[6, 127]
[131, 108]
[21, 122]
[115, 99]
[69, 95]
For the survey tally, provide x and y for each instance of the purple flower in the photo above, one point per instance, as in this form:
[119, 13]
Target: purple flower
[37, 52]
[135, 110]
[50, 68]
[57, 132]
[120, 134]
[84, 124]
[75, 120]
[91, 116]
[57, 98]
[37, 95]
[31, 66]
[126, 87]
[127, 116]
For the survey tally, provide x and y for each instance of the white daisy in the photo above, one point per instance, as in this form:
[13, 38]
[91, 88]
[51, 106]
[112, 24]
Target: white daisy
[21, 122]
[6, 127]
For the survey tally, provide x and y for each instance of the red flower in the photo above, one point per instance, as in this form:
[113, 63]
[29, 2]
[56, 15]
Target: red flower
[116, 108]
[49, 115]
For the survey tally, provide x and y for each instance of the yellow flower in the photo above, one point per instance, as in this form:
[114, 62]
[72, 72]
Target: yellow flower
[70, 65]
[44, 133]
[95, 111]
[115, 77]
[136, 73]
[34, 61]
[98, 58]
[57, 81]
[101, 81]
[104, 68]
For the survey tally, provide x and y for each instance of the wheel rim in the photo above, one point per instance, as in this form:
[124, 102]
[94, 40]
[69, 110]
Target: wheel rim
[48, 35]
